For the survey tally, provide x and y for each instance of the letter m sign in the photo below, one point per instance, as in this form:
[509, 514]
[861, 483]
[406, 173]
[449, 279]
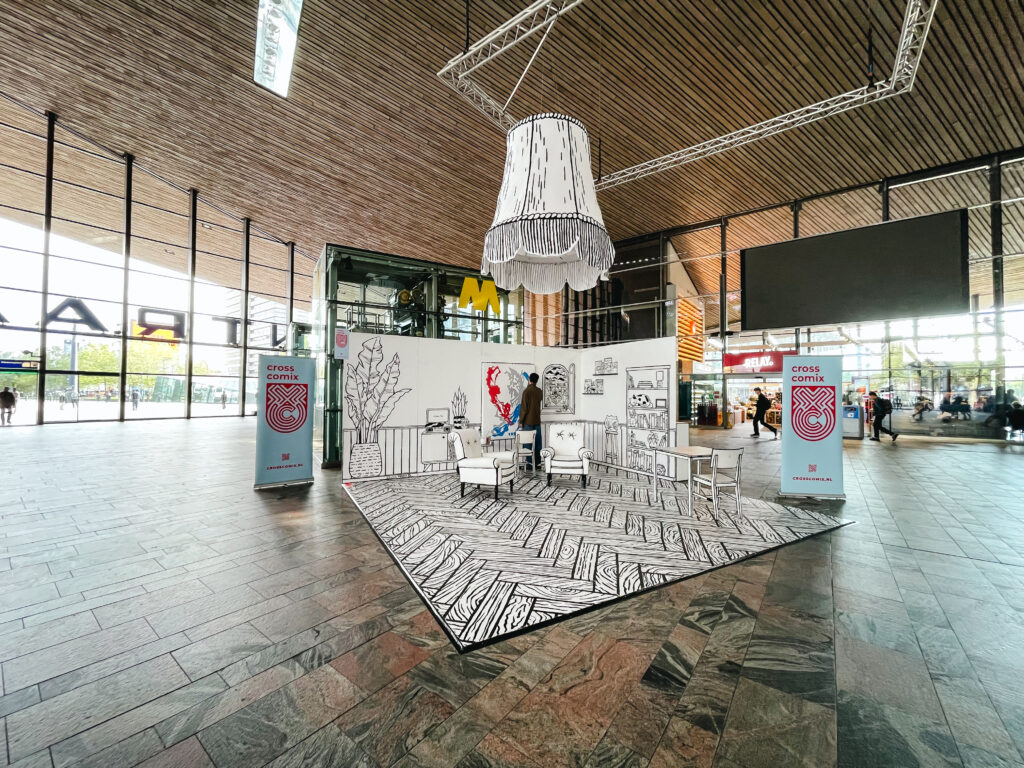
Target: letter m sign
[480, 294]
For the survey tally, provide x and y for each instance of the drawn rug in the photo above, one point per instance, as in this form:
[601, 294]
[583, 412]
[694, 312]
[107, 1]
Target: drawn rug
[488, 569]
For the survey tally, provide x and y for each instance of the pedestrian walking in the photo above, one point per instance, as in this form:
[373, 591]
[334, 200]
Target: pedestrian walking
[880, 408]
[760, 409]
[7, 402]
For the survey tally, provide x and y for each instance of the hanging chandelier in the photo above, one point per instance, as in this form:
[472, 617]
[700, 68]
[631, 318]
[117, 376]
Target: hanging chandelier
[547, 230]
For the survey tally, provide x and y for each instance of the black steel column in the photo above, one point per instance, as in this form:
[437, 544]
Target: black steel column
[51, 124]
[127, 251]
[796, 206]
[246, 226]
[565, 315]
[885, 199]
[193, 196]
[291, 290]
[723, 322]
[995, 196]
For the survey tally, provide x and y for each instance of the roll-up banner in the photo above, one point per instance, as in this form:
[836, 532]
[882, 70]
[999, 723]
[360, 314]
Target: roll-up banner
[812, 435]
[284, 421]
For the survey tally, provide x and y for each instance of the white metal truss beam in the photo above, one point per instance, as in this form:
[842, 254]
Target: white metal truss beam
[541, 14]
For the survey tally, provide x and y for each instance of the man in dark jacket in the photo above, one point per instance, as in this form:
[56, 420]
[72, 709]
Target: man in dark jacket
[7, 403]
[763, 404]
[880, 408]
[529, 414]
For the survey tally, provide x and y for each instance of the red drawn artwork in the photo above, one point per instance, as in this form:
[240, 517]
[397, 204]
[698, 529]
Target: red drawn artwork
[814, 411]
[493, 391]
[286, 406]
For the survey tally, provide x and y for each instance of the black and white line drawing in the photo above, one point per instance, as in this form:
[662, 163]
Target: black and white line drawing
[488, 569]
[371, 394]
[647, 419]
[559, 385]
[611, 439]
[593, 386]
[459, 405]
[606, 367]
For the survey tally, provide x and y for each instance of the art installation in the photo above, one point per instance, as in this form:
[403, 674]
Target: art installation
[606, 367]
[559, 385]
[371, 395]
[547, 228]
[593, 387]
[611, 439]
[647, 419]
[503, 386]
[459, 405]
[488, 569]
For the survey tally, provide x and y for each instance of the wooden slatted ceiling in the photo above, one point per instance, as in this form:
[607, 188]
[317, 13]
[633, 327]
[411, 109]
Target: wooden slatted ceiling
[371, 150]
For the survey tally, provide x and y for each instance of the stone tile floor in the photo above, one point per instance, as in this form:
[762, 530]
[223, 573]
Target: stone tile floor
[155, 610]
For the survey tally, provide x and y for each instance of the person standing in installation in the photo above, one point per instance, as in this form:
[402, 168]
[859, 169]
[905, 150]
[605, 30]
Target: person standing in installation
[529, 415]
[880, 408]
[760, 409]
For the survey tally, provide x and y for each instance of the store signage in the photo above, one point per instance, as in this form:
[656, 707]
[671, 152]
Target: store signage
[24, 366]
[341, 344]
[284, 423]
[812, 439]
[754, 362]
[151, 322]
[481, 294]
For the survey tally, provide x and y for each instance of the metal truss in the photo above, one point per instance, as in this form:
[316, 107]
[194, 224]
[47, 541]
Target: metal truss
[542, 14]
[539, 15]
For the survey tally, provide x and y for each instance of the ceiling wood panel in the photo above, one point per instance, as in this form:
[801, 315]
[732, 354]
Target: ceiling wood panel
[371, 150]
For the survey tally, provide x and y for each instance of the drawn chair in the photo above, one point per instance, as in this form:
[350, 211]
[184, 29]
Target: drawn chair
[565, 453]
[476, 468]
[723, 472]
[523, 452]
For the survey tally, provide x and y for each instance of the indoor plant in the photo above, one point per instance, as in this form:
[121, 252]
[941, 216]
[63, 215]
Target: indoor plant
[371, 396]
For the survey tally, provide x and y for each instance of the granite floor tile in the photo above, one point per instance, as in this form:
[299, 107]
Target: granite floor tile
[492, 752]
[149, 603]
[392, 721]
[185, 754]
[114, 731]
[56, 719]
[291, 619]
[277, 653]
[203, 609]
[329, 747]
[233, 619]
[218, 651]
[20, 699]
[124, 754]
[55, 660]
[374, 664]
[275, 723]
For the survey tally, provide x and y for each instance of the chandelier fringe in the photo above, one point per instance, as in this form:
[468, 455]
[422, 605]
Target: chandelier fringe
[543, 278]
[550, 237]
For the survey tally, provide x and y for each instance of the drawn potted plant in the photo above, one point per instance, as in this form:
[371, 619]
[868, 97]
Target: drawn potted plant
[371, 394]
[459, 403]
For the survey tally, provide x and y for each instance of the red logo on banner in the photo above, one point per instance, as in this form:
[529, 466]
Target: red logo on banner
[814, 412]
[286, 406]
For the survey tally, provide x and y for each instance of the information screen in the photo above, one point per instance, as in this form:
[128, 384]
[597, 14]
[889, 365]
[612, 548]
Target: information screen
[907, 268]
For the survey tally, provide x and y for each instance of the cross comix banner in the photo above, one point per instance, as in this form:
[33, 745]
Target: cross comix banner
[284, 427]
[812, 440]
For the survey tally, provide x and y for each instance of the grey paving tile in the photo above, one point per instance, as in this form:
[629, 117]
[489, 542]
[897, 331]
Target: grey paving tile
[292, 619]
[78, 677]
[232, 577]
[56, 719]
[107, 577]
[72, 654]
[233, 619]
[117, 729]
[74, 604]
[218, 651]
[149, 603]
[11, 599]
[33, 638]
[204, 609]
[187, 754]
[13, 702]
[124, 754]
[277, 653]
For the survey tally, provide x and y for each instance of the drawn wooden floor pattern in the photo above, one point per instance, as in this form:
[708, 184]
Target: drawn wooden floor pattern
[490, 568]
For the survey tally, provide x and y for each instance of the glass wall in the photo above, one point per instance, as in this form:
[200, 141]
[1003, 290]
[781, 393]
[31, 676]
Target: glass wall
[947, 376]
[128, 305]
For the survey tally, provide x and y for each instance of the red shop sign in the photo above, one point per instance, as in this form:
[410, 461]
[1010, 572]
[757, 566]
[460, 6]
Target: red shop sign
[754, 362]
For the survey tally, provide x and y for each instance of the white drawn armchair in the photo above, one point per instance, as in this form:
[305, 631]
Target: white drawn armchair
[477, 468]
[565, 453]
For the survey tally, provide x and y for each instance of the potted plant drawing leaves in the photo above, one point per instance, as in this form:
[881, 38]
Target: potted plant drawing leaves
[371, 395]
[459, 403]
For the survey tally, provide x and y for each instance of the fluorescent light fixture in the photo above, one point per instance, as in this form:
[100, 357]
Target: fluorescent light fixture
[277, 33]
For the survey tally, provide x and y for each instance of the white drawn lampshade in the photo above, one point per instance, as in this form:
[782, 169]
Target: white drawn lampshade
[547, 229]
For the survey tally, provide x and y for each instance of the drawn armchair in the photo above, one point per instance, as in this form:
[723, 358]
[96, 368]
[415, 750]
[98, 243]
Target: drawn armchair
[478, 468]
[565, 453]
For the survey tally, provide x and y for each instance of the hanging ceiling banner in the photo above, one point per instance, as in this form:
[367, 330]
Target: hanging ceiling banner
[754, 362]
[284, 421]
[812, 437]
